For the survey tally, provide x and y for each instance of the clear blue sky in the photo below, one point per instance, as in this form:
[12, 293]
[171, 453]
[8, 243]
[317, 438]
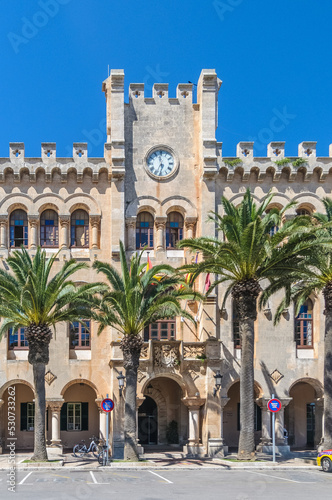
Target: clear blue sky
[274, 57]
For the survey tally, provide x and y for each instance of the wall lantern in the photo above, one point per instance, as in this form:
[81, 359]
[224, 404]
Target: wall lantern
[218, 379]
[149, 389]
[121, 379]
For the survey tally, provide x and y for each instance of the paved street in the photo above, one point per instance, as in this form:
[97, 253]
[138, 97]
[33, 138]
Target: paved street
[165, 484]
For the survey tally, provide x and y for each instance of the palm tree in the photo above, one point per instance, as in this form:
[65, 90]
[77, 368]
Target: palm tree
[136, 298]
[318, 279]
[31, 298]
[254, 249]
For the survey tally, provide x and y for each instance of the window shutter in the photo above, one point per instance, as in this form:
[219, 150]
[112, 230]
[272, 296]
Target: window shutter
[24, 416]
[63, 417]
[85, 416]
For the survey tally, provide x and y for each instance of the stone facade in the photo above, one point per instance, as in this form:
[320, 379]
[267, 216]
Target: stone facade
[93, 203]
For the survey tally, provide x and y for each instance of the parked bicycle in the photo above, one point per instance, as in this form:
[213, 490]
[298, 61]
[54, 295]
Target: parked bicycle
[80, 450]
[103, 459]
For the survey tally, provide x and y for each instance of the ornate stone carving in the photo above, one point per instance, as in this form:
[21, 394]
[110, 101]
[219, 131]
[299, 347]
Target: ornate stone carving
[193, 374]
[95, 220]
[50, 377]
[276, 376]
[193, 351]
[166, 355]
[55, 405]
[140, 376]
[144, 352]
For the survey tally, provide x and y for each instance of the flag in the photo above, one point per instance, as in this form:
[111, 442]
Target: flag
[149, 264]
[207, 282]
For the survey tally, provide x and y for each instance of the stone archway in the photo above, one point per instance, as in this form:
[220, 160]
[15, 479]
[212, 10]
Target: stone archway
[304, 414]
[168, 394]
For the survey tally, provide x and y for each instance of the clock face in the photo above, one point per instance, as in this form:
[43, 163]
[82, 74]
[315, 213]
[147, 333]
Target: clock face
[160, 163]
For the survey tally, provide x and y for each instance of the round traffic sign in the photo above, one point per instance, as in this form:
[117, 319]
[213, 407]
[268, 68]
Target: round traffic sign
[107, 405]
[274, 405]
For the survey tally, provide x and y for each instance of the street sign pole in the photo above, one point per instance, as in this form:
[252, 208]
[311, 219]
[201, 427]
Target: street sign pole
[107, 427]
[274, 434]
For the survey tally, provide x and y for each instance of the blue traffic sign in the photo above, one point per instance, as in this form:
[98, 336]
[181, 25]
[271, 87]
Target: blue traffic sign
[274, 405]
[107, 405]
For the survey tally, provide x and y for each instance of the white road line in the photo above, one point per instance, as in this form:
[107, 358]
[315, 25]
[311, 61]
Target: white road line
[161, 477]
[281, 478]
[26, 477]
[94, 479]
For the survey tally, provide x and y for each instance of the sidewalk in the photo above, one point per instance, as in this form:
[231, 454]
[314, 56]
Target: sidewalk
[298, 460]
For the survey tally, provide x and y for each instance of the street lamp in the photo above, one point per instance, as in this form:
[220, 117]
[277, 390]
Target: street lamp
[218, 379]
[121, 379]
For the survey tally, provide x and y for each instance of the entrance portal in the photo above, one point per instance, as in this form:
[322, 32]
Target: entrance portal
[148, 422]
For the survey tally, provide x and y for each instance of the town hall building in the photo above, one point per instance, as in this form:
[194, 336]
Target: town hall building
[162, 173]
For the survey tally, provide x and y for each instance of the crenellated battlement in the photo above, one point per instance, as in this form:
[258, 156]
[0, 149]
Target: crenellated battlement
[79, 163]
[276, 162]
[160, 95]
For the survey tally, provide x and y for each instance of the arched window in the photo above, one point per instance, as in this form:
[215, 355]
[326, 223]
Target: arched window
[303, 326]
[79, 229]
[236, 328]
[18, 228]
[303, 211]
[49, 229]
[174, 229]
[144, 230]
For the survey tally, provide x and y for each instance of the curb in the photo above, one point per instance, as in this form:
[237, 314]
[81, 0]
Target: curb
[170, 467]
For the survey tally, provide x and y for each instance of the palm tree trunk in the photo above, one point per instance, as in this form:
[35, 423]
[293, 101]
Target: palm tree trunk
[245, 295]
[131, 346]
[39, 337]
[328, 369]
[40, 452]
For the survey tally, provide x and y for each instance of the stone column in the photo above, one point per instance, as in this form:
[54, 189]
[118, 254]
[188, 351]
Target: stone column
[266, 438]
[190, 226]
[3, 232]
[319, 428]
[55, 407]
[193, 405]
[33, 230]
[95, 223]
[2, 429]
[64, 225]
[160, 226]
[216, 446]
[102, 421]
[139, 401]
[131, 233]
[280, 424]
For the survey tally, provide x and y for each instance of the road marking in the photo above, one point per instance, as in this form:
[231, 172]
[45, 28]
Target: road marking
[94, 479]
[281, 478]
[26, 477]
[161, 477]
[58, 475]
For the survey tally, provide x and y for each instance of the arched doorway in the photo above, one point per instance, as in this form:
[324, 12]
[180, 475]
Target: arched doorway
[79, 417]
[165, 413]
[303, 415]
[231, 416]
[148, 422]
[24, 415]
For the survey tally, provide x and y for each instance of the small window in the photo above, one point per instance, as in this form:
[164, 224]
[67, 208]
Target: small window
[144, 230]
[17, 340]
[49, 229]
[161, 330]
[304, 326]
[236, 328]
[18, 228]
[74, 417]
[80, 335]
[27, 416]
[80, 229]
[174, 229]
